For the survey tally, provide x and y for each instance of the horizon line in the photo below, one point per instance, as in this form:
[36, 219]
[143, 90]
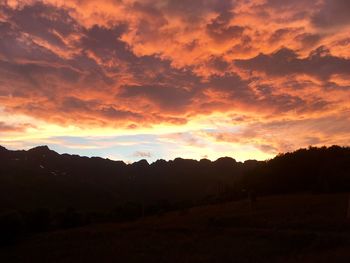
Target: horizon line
[171, 160]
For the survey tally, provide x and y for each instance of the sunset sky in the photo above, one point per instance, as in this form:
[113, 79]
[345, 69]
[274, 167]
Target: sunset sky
[152, 79]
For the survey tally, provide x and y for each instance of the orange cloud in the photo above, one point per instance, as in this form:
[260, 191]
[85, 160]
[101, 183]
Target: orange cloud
[135, 65]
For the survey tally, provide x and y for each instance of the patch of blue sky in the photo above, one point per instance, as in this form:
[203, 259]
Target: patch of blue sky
[127, 148]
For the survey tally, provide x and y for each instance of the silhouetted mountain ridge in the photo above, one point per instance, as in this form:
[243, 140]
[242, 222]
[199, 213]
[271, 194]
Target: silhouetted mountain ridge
[44, 149]
[40, 177]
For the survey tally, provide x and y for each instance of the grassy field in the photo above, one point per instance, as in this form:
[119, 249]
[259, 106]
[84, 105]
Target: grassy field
[293, 228]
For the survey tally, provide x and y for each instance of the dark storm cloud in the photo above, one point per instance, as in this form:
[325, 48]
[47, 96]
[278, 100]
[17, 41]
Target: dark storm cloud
[281, 33]
[71, 104]
[153, 19]
[96, 108]
[35, 79]
[167, 97]
[333, 13]
[105, 43]
[43, 21]
[218, 63]
[229, 82]
[243, 92]
[220, 29]
[79, 110]
[193, 11]
[308, 40]
[112, 113]
[320, 63]
[13, 45]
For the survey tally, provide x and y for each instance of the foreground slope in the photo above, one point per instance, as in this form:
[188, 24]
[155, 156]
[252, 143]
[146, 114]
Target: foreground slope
[289, 228]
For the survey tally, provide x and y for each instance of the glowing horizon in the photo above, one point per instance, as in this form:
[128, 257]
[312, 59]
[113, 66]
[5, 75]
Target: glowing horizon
[160, 79]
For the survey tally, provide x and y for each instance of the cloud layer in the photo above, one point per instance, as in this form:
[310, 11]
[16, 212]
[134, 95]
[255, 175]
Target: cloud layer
[222, 72]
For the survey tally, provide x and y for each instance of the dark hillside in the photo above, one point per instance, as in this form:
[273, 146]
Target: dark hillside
[41, 177]
[314, 169]
[41, 190]
[288, 228]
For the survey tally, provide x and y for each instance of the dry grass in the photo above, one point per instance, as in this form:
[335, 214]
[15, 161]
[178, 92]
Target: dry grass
[296, 228]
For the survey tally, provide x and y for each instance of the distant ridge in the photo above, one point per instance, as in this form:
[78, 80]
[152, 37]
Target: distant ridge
[40, 177]
[42, 148]
[2, 149]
